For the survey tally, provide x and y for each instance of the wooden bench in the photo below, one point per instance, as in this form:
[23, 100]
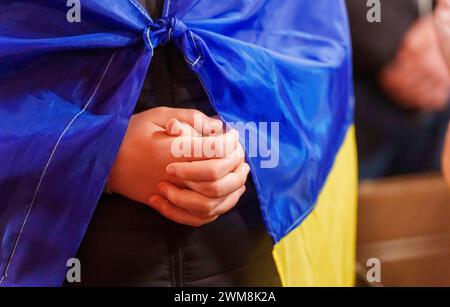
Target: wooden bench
[405, 223]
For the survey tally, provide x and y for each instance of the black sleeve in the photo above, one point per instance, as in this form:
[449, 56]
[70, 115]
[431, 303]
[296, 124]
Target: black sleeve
[376, 44]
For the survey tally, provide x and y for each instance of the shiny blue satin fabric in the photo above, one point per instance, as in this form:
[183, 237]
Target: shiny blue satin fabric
[67, 91]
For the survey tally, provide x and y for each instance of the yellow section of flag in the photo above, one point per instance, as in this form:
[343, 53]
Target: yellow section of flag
[322, 250]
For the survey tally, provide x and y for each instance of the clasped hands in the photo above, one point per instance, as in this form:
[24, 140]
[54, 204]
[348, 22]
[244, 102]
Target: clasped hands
[191, 189]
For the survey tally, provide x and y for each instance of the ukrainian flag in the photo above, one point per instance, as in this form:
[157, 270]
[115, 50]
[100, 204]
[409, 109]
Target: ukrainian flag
[68, 90]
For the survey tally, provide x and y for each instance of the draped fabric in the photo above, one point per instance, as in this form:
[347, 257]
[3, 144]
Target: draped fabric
[67, 91]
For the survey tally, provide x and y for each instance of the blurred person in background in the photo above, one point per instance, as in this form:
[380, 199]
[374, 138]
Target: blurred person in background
[442, 20]
[402, 88]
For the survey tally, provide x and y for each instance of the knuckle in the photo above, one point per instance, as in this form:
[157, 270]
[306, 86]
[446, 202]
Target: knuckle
[214, 174]
[209, 215]
[234, 134]
[164, 210]
[161, 109]
[207, 206]
[212, 213]
[243, 180]
[195, 115]
[170, 195]
[202, 208]
[215, 190]
[175, 198]
[179, 172]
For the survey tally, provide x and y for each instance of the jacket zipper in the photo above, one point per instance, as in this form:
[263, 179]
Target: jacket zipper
[177, 276]
[176, 257]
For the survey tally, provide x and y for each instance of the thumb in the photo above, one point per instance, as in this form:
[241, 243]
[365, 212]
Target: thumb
[203, 124]
[176, 128]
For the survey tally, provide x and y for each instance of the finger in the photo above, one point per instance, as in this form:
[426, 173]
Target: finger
[220, 146]
[188, 148]
[187, 199]
[224, 186]
[200, 122]
[206, 170]
[177, 128]
[226, 205]
[178, 215]
[229, 203]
